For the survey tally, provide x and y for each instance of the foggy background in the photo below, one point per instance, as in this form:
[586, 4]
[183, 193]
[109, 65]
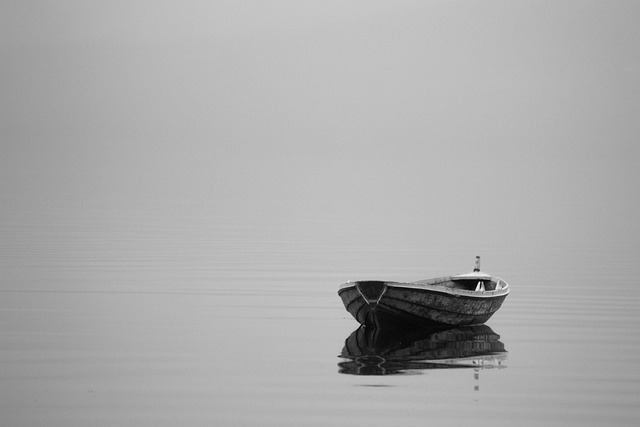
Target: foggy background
[184, 185]
[507, 129]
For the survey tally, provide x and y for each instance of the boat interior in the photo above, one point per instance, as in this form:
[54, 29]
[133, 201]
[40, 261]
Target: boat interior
[477, 284]
[480, 284]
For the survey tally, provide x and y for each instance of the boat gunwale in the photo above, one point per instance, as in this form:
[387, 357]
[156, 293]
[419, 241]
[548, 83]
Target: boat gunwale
[434, 286]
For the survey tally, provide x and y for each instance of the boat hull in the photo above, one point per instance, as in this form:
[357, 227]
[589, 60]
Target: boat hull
[432, 305]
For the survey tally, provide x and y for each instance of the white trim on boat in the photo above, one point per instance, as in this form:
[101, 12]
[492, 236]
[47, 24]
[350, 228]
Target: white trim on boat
[436, 287]
[453, 291]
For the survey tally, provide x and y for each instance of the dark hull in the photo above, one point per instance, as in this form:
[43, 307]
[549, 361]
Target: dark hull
[390, 303]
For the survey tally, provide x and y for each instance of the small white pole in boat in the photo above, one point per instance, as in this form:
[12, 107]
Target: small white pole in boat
[477, 267]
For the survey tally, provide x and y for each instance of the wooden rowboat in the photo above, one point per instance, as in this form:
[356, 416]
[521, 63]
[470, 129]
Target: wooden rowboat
[443, 302]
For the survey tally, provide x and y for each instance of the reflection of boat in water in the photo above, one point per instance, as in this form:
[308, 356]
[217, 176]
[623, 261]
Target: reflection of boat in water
[375, 351]
[465, 299]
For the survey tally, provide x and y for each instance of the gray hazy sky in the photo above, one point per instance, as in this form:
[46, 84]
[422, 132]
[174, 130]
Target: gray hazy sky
[511, 119]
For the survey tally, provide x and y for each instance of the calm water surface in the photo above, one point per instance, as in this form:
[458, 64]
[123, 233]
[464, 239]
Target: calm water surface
[134, 317]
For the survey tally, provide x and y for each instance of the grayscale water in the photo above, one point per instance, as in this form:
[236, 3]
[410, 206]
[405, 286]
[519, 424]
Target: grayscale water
[184, 185]
[159, 318]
